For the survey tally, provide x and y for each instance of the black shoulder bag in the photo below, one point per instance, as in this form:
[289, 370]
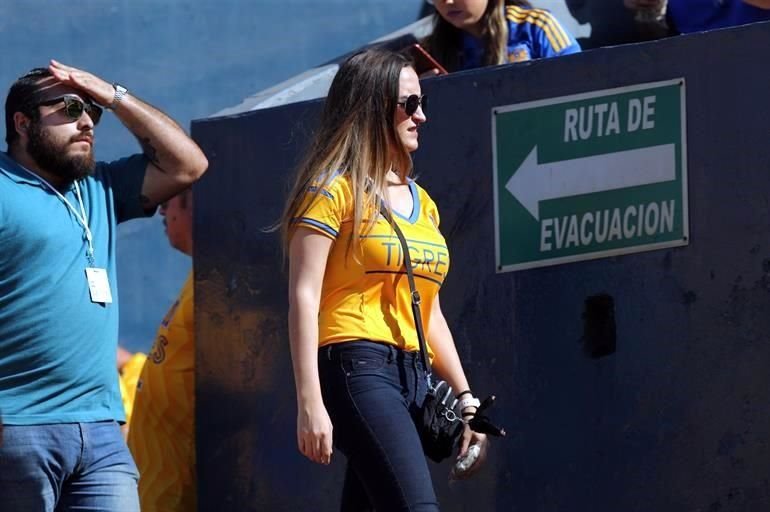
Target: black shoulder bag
[440, 427]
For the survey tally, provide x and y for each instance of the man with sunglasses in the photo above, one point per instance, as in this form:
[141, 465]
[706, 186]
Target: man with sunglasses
[62, 447]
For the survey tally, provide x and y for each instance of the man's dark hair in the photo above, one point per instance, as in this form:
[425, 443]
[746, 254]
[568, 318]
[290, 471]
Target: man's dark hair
[18, 100]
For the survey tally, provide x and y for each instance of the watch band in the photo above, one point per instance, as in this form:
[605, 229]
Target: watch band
[120, 92]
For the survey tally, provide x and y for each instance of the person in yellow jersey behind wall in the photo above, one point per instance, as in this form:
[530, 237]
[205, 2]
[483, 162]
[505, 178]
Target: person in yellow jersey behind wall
[161, 433]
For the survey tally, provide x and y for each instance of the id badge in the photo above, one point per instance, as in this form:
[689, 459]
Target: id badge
[98, 285]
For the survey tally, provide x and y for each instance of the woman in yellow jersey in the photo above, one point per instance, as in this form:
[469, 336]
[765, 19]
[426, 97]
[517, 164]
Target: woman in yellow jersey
[469, 34]
[354, 346]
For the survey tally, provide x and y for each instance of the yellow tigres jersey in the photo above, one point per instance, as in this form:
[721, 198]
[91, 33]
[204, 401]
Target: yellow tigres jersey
[161, 433]
[370, 298]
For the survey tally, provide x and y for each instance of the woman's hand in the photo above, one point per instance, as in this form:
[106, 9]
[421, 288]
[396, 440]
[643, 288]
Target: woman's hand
[470, 437]
[314, 432]
[308, 252]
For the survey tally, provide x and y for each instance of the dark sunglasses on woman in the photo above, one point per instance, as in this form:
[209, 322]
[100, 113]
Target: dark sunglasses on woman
[411, 103]
[74, 107]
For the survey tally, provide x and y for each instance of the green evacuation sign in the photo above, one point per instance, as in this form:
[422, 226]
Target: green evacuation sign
[590, 175]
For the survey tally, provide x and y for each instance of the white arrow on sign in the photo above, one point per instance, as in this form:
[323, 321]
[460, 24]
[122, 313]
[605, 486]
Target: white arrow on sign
[533, 182]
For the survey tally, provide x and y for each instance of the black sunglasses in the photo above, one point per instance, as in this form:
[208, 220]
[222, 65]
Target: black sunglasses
[74, 107]
[413, 102]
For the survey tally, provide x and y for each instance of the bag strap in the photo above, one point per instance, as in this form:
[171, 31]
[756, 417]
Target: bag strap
[480, 422]
[415, 295]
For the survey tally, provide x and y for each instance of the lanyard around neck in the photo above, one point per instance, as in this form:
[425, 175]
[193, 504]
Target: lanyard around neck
[80, 216]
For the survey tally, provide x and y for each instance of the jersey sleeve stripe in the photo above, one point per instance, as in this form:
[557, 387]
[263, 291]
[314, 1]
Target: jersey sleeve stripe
[323, 192]
[555, 29]
[317, 226]
[556, 35]
[553, 37]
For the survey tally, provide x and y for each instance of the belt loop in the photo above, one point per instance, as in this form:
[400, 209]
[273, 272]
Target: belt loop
[329, 352]
[391, 353]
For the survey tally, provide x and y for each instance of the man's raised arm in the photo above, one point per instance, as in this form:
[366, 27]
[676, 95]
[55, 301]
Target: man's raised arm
[176, 161]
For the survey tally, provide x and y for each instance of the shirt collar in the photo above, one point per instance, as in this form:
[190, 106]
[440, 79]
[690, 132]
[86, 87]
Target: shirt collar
[17, 173]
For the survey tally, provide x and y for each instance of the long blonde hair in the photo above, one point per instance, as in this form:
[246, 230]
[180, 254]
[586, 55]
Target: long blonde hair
[445, 42]
[357, 138]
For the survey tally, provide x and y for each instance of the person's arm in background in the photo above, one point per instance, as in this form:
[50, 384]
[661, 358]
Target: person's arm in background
[129, 369]
[176, 161]
[447, 363]
[761, 4]
[651, 19]
[123, 357]
[308, 253]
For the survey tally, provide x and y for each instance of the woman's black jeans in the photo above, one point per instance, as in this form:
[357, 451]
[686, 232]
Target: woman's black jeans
[373, 393]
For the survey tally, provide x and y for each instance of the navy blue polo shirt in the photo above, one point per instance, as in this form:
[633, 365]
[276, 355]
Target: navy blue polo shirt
[57, 348]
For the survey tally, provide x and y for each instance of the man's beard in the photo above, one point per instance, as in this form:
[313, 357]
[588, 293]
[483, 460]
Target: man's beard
[53, 159]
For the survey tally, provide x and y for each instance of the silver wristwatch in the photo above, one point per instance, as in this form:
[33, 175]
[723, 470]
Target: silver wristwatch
[120, 91]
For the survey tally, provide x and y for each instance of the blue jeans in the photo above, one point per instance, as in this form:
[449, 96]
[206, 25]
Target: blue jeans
[67, 466]
[373, 393]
